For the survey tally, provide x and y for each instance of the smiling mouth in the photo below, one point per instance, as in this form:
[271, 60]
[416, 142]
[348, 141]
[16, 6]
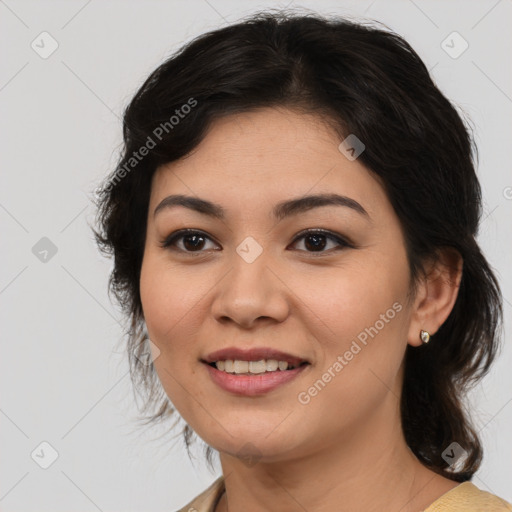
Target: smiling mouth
[251, 378]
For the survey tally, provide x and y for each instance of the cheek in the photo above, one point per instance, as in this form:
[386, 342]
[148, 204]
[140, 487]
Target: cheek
[171, 300]
[359, 365]
[358, 318]
[346, 301]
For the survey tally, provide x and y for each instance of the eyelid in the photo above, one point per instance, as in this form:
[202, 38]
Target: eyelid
[342, 241]
[167, 242]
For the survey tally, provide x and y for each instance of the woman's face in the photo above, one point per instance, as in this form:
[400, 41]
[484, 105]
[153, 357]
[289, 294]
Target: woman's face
[252, 282]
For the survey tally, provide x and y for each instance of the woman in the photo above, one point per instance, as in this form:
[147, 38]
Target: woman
[293, 222]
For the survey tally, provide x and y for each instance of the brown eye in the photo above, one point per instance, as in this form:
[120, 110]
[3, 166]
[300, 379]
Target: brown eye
[191, 241]
[315, 241]
[318, 240]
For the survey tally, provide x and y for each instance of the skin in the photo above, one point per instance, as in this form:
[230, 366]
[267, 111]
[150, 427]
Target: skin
[344, 450]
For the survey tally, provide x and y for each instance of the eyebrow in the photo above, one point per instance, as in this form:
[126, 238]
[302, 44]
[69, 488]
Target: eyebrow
[280, 211]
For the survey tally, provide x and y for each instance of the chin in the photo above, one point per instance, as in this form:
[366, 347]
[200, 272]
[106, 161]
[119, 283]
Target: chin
[255, 446]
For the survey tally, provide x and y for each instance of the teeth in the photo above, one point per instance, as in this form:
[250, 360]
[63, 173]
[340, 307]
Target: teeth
[258, 366]
[252, 367]
[240, 366]
[272, 365]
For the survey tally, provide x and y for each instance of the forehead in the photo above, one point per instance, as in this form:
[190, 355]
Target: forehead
[259, 158]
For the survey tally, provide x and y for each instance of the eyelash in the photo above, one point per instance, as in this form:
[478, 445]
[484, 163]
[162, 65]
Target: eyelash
[169, 241]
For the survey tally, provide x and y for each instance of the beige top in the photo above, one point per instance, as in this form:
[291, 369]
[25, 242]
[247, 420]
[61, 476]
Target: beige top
[465, 497]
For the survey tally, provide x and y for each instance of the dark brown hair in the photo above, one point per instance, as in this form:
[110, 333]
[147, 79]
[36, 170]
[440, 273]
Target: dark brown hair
[362, 80]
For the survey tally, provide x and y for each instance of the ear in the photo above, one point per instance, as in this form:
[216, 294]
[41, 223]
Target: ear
[436, 294]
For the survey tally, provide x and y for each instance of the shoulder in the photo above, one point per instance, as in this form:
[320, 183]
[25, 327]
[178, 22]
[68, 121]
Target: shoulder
[467, 497]
[206, 501]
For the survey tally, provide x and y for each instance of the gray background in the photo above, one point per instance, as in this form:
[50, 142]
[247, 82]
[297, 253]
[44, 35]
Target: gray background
[63, 372]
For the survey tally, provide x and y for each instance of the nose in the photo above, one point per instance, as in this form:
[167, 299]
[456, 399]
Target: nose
[250, 293]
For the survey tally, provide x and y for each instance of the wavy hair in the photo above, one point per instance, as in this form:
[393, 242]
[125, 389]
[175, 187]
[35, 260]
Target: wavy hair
[362, 79]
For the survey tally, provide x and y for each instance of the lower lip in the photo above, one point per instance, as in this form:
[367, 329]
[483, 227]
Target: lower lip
[251, 385]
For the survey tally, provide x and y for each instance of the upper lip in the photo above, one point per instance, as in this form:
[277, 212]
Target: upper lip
[252, 354]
